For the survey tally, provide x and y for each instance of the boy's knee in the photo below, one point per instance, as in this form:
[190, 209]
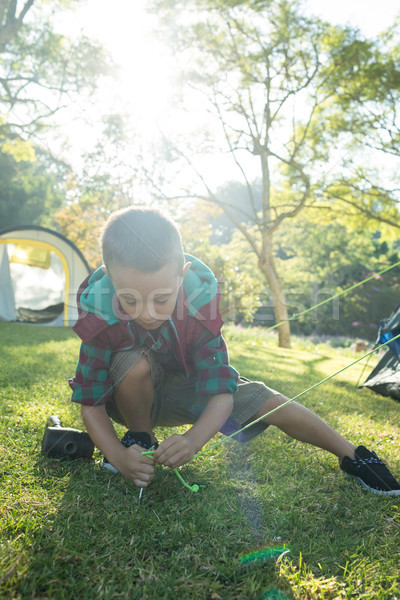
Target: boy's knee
[271, 403]
[139, 373]
[277, 400]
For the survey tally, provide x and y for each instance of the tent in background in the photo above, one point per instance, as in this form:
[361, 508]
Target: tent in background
[40, 273]
[385, 378]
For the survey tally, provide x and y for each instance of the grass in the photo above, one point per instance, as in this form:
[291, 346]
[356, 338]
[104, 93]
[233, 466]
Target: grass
[70, 530]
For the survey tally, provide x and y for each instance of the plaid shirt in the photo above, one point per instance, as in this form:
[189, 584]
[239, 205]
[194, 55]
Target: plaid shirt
[190, 346]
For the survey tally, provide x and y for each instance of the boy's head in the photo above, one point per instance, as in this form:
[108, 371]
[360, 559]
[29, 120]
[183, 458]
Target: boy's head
[142, 238]
[143, 256]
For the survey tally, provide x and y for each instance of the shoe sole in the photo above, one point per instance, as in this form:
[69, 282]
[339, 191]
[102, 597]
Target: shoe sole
[108, 466]
[373, 490]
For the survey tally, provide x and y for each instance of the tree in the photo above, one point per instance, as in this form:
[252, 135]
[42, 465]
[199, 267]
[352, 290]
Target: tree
[31, 191]
[105, 184]
[269, 75]
[236, 194]
[363, 114]
[232, 263]
[40, 70]
[315, 267]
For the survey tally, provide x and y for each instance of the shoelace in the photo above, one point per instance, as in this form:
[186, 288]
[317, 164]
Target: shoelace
[129, 440]
[369, 461]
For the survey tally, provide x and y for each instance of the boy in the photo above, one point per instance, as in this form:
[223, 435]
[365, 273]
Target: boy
[152, 355]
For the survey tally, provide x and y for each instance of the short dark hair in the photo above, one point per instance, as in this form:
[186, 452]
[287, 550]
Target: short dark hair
[143, 238]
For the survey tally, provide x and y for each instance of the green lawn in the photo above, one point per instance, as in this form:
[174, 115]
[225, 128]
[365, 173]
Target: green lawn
[70, 530]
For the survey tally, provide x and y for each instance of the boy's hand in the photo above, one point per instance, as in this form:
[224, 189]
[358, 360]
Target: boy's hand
[175, 451]
[136, 467]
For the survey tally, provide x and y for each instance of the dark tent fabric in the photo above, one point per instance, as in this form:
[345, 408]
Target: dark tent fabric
[385, 378]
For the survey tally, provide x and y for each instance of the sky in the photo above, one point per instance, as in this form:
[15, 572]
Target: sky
[371, 16]
[145, 82]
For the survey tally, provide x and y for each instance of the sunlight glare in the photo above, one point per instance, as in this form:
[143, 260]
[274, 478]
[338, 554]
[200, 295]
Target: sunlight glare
[143, 83]
[146, 87]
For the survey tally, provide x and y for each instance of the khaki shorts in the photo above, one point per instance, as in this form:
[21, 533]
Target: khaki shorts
[177, 403]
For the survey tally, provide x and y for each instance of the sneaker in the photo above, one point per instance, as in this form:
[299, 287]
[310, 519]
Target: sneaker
[140, 438]
[371, 472]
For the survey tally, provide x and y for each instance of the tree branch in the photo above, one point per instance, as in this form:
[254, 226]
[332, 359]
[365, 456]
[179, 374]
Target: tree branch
[364, 210]
[238, 164]
[13, 23]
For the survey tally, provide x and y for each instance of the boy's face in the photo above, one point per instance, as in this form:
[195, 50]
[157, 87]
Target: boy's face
[148, 298]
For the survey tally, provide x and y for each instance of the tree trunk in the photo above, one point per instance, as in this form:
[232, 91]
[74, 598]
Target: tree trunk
[266, 261]
[267, 265]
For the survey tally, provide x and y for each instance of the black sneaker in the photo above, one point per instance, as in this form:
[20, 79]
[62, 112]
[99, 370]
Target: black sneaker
[371, 472]
[140, 438]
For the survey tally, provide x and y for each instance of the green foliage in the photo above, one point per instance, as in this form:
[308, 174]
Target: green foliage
[232, 263]
[242, 281]
[41, 69]
[94, 193]
[364, 84]
[30, 192]
[362, 88]
[19, 150]
[319, 261]
[362, 202]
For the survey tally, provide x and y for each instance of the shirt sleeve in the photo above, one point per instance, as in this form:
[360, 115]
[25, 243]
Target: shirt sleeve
[212, 369]
[92, 384]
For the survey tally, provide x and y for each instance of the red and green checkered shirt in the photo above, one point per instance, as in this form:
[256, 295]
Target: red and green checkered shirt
[189, 344]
